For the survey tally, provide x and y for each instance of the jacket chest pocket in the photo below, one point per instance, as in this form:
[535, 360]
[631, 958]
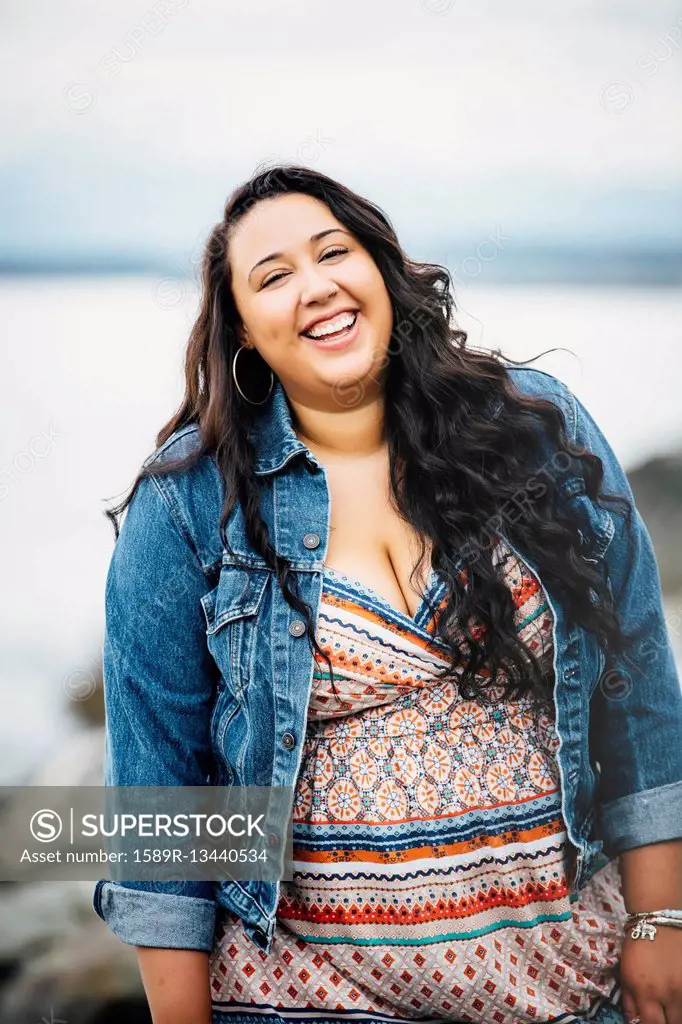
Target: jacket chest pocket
[596, 528]
[595, 523]
[233, 622]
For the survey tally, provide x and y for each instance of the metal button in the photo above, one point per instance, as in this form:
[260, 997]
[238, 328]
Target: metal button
[311, 540]
[273, 840]
[297, 627]
[289, 740]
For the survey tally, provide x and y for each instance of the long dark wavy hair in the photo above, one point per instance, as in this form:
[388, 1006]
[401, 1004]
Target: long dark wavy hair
[454, 464]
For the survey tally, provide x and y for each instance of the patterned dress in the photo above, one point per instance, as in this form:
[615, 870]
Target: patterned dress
[431, 879]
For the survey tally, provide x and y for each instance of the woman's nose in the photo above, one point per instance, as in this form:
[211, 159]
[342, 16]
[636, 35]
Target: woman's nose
[317, 285]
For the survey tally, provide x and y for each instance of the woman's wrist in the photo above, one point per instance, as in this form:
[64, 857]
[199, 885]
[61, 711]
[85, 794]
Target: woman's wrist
[645, 925]
[652, 877]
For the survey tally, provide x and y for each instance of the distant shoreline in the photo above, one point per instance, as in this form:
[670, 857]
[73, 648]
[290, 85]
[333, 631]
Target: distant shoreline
[516, 265]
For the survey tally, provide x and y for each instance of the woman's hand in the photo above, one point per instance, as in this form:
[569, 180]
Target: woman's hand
[651, 977]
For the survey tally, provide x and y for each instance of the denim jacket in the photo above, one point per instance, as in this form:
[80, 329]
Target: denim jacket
[208, 671]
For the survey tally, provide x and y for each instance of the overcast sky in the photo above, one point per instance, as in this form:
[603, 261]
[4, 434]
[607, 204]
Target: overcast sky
[125, 128]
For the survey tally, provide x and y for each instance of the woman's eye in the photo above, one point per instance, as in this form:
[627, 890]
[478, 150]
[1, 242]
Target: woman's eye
[334, 252]
[330, 252]
[271, 279]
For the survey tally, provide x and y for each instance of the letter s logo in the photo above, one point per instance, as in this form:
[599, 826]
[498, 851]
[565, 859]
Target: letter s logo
[45, 825]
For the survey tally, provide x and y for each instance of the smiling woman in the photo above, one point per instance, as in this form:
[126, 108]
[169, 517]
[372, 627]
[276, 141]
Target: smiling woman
[466, 732]
[289, 300]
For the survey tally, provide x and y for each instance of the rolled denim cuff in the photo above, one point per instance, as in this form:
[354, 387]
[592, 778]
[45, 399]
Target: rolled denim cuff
[143, 918]
[651, 816]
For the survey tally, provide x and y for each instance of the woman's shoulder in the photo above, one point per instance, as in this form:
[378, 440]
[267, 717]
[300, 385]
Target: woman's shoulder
[540, 384]
[194, 493]
[181, 443]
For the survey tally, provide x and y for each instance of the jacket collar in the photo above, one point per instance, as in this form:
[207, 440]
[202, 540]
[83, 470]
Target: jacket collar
[273, 434]
[275, 439]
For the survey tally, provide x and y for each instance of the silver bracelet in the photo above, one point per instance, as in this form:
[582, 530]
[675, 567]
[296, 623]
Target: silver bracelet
[647, 913]
[645, 922]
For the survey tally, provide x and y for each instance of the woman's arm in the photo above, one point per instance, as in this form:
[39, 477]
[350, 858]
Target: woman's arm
[176, 983]
[635, 739]
[636, 709]
[159, 691]
[650, 973]
[652, 877]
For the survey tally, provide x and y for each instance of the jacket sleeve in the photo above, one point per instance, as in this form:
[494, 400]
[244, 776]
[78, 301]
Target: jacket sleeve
[159, 682]
[636, 708]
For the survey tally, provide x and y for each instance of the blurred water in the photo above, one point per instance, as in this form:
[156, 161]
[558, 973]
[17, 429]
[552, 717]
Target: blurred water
[92, 368]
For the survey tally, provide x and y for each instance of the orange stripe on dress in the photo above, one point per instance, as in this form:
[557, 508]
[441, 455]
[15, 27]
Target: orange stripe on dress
[416, 853]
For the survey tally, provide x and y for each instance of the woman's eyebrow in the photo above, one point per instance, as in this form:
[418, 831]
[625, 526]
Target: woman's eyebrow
[278, 255]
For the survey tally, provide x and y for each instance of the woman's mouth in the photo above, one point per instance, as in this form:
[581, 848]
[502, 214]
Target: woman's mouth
[338, 339]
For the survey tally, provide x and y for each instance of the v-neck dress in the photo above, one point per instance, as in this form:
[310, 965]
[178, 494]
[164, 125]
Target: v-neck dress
[431, 878]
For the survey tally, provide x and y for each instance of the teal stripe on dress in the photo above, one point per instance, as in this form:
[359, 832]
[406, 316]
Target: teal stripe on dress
[444, 937]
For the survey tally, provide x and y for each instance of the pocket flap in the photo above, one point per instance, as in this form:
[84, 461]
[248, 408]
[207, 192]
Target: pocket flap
[589, 514]
[238, 595]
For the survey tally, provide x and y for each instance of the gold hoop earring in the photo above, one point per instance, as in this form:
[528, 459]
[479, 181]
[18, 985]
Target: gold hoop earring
[234, 377]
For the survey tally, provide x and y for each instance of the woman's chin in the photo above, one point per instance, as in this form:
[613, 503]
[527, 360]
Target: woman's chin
[351, 379]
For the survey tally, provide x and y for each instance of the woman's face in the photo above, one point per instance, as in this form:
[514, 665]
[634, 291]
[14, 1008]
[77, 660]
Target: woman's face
[284, 278]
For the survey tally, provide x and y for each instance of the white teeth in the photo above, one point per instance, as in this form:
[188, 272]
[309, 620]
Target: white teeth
[332, 326]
